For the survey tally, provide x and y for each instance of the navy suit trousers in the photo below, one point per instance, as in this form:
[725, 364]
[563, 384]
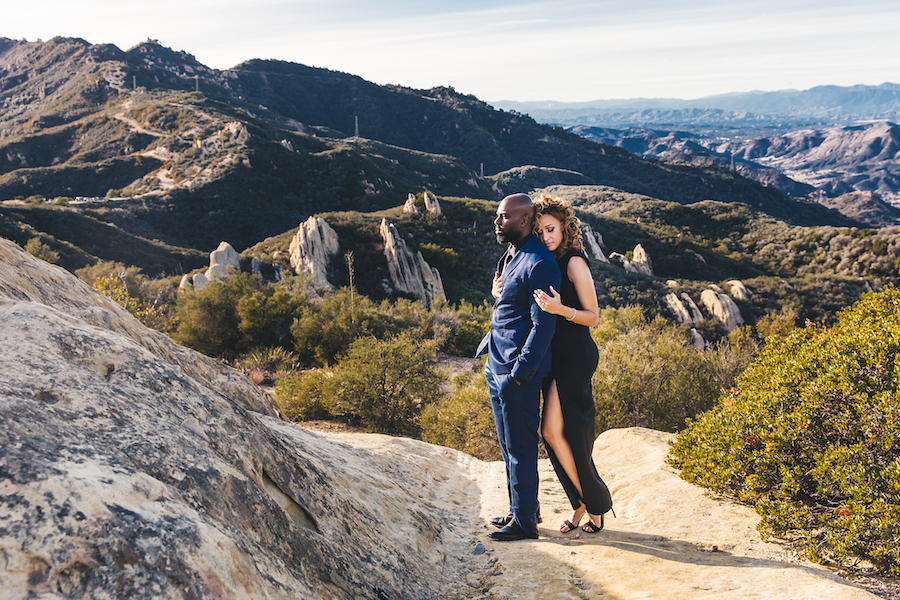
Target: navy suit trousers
[517, 417]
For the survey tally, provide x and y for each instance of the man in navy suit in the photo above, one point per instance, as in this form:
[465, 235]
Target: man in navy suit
[518, 357]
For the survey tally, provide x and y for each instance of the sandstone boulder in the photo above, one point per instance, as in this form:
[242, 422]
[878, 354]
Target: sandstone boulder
[133, 468]
[739, 291]
[199, 280]
[678, 309]
[432, 205]
[409, 273]
[696, 315]
[697, 340]
[312, 248]
[410, 205]
[225, 256]
[722, 308]
[593, 242]
[641, 261]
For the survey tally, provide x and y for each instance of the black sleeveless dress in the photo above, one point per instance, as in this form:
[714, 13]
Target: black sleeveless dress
[575, 359]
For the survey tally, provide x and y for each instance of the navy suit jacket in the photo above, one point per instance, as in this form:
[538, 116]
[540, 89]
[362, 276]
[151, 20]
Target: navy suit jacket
[519, 340]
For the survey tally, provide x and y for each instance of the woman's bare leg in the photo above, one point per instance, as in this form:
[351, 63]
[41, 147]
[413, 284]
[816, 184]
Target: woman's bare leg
[554, 436]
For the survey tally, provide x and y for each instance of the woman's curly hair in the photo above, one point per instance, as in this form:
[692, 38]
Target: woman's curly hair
[565, 214]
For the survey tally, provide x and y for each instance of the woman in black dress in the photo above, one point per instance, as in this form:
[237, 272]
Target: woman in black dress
[567, 423]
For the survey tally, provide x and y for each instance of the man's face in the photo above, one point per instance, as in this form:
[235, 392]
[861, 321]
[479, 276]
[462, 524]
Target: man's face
[508, 224]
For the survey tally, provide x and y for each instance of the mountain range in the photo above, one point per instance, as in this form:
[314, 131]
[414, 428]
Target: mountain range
[821, 105]
[828, 139]
[149, 158]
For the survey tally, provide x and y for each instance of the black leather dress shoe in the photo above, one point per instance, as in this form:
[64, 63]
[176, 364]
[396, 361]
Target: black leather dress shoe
[502, 521]
[506, 520]
[513, 532]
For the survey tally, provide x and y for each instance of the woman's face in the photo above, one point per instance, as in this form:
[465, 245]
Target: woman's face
[550, 232]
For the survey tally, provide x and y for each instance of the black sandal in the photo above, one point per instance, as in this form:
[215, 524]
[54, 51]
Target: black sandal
[567, 526]
[590, 527]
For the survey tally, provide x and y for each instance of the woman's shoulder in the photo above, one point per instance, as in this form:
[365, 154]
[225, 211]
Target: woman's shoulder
[570, 254]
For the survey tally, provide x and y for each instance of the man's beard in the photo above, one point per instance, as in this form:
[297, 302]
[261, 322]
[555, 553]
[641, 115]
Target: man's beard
[506, 237]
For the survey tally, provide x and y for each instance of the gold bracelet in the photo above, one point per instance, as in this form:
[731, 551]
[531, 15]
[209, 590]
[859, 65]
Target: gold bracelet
[573, 314]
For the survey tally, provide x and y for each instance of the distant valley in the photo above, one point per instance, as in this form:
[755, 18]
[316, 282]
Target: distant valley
[826, 141]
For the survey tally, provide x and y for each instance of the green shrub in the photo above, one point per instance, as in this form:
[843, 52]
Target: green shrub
[208, 319]
[810, 435]
[37, 248]
[381, 384]
[472, 322]
[463, 420]
[325, 329]
[274, 359]
[306, 396]
[649, 374]
[115, 288]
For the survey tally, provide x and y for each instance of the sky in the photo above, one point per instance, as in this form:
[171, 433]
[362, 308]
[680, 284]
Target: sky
[561, 50]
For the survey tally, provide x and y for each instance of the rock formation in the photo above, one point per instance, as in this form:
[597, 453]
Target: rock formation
[696, 315]
[220, 260]
[593, 242]
[432, 205]
[131, 467]
[199, 280]
[683, 308]
[626, 264]
[722, 308]
[409, 274]
[697, 340]
[410, 206]
[311, 249]
[739, 290]
[677, 307]
[641, 261]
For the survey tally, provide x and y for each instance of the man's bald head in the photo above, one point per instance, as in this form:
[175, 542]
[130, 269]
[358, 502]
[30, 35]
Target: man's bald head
[515, 218]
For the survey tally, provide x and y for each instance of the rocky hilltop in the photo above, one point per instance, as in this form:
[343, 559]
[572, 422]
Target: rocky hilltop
[133, 468]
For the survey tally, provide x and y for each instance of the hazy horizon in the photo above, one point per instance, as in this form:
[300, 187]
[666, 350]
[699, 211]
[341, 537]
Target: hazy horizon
[563, 51]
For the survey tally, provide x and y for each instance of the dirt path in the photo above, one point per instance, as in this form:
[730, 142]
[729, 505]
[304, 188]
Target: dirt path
[669, 541]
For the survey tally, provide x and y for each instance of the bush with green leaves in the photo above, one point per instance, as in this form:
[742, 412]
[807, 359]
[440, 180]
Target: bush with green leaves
[649, 374]
[37, 248]
[810, 436]
[463, 419]
[115, 288]
[380, 384]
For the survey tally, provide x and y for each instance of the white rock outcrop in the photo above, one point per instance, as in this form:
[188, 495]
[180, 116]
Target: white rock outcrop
[739, 291]
[722, 308]
[410, 205]
[432, 205]
[697, 340]
[312, 248]
[131, 467]
[696, 315]
[641, 262]
[220, 260]
[199, 280]
[674, 303]
[409, 273]
[593, 242]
